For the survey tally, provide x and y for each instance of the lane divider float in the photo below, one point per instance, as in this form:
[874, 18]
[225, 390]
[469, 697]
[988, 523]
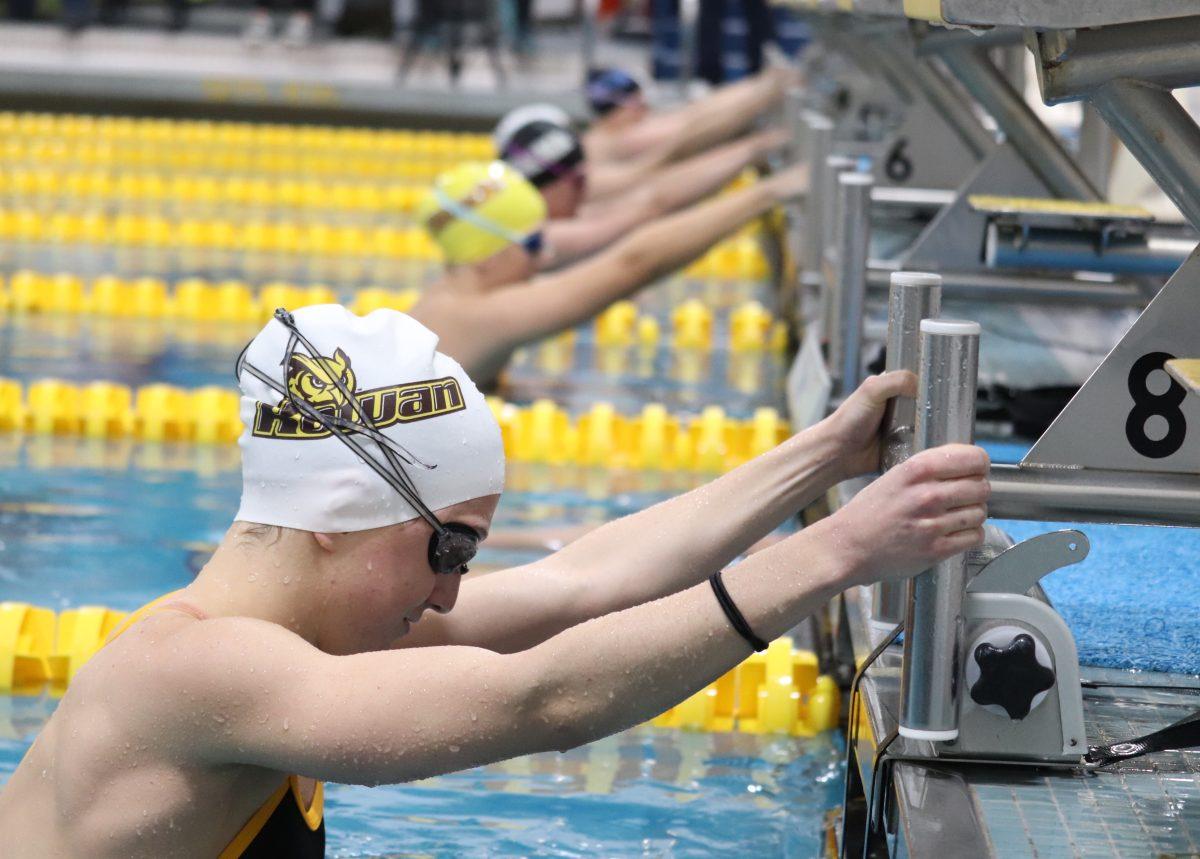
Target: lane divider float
[542, 432]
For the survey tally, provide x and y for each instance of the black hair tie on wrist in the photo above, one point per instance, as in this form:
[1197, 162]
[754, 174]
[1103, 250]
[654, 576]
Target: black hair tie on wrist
[735, 617]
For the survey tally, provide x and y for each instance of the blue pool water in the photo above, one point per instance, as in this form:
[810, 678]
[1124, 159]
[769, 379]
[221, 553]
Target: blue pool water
[189, 354]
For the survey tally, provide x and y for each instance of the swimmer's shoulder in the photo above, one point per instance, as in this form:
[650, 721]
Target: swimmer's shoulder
[166, 672]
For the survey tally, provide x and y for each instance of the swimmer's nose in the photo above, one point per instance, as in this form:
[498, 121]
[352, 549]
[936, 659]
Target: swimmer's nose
[445, 592]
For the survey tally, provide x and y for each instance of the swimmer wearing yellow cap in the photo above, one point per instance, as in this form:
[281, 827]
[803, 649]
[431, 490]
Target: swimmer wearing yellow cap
[333, 636]
[489, 220]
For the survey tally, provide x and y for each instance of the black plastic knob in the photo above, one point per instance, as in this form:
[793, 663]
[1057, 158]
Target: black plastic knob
[1010, 676]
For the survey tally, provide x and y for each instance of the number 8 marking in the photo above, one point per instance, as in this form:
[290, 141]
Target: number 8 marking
[1147, 404]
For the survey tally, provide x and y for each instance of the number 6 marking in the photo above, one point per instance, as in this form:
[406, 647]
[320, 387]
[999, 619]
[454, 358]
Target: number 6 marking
[1147, 404]
[898, 167]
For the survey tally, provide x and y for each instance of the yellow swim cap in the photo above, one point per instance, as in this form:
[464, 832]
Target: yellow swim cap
[476, 210]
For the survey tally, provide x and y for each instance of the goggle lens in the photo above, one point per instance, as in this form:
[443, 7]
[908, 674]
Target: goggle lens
[533, 243]
[451, 550]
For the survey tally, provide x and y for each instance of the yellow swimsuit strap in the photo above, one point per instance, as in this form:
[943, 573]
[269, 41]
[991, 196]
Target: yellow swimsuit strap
[312, 815]
[166, 602]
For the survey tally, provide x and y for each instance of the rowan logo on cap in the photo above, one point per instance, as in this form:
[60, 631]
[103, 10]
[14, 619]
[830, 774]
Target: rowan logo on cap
[315, 381]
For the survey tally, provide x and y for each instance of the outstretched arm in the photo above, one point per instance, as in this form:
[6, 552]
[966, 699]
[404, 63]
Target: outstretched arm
[481, 331]
[394, 716]
[550, 303]
[673, 188]
[696, 534]
[606, 179]
[703, 123]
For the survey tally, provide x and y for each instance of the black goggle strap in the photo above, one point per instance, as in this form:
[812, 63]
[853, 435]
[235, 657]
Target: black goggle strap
[364, 421]
[395, 476]
[393, 480]
[285, 318]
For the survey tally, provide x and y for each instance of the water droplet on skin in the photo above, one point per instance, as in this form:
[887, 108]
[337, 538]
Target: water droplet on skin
[455, 749]
[285, 724]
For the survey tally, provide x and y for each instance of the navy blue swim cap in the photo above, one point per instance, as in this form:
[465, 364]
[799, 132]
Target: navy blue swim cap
[609, 88]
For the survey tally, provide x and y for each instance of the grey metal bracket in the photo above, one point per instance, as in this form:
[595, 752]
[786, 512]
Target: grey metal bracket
[954, 239]
[1020, 567]
[1052, 731]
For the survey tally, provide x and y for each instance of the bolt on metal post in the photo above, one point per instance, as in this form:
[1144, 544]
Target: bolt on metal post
[912, 297]
[945, 414]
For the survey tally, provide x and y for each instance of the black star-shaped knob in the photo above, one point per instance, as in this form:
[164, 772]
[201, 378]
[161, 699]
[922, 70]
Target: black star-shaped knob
[1010, 676]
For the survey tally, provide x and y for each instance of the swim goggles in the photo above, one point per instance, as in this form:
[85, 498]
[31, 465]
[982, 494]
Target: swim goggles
[532, 243]
[452, 544]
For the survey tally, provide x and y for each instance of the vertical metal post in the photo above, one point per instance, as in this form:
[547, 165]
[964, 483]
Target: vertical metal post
[1096, 142]
[1160, 134]
[832, 170]
[828, 220]
[912, 297]
[689, 15]
[945, 414]
[1010, 62]
[793, 120]
[853, 236]
[589, 11]
[818, 145]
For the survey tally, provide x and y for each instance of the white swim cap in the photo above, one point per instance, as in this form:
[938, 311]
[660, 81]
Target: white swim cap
[519, 117]
[297, 474]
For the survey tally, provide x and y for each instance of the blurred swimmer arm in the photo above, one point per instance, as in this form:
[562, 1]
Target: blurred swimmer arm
[707, 121]
[552, 302]
[695, 178]
[255, 694]
[673, 188]
[615, 566]
[609, 184]
[606, 179]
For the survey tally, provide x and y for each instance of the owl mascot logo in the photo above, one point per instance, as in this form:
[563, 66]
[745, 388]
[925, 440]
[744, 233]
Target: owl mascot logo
[314, 380]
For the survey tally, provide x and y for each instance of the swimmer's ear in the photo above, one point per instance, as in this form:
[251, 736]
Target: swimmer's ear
[325, 541]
